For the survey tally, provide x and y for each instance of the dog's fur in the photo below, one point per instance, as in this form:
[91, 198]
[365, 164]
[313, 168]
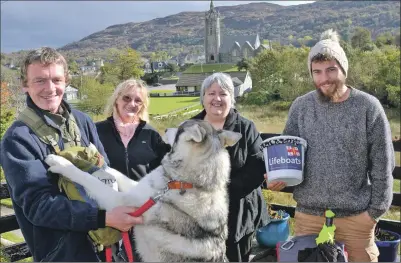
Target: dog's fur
[180, 227]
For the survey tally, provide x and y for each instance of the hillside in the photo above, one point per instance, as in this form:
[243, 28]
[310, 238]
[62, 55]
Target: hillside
[271, 21]
[183, 32]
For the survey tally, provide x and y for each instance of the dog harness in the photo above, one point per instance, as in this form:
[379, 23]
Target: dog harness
[171, 185]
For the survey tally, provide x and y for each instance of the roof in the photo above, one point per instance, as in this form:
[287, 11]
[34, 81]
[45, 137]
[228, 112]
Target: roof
[70, 88]
[228, 41]
[196, 79]
[237, 81]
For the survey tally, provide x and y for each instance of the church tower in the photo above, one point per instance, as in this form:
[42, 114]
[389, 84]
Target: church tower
[212, 35]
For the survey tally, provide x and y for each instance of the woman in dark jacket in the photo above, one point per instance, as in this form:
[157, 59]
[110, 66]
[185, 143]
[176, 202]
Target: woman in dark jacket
[247, 208]
[133, 147]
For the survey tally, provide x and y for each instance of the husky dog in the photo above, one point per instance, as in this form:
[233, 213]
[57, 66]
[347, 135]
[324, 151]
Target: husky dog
[184, 225]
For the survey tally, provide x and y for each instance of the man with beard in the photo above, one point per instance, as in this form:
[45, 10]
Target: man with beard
[350, 156]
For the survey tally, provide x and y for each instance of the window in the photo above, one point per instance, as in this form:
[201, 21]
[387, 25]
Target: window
[212, 57]
[211, 30]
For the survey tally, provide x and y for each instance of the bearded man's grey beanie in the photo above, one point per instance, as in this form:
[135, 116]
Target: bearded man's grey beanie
[329, 44]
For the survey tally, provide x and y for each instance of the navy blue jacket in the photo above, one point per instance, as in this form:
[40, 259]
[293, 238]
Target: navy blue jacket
[54, 227]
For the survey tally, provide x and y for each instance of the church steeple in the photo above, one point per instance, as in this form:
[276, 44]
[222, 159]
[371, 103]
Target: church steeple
[212, 35]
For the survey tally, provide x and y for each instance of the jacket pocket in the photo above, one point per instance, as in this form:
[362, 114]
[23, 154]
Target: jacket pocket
[247, 216]
[53, 253]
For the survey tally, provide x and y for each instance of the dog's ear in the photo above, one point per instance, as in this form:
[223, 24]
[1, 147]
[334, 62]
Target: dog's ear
[194, 133]
[229, 138]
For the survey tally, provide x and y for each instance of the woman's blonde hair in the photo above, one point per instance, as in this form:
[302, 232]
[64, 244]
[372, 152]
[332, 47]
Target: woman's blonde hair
[143, 114]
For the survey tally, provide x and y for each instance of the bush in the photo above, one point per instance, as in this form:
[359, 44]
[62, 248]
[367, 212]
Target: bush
[281, 105]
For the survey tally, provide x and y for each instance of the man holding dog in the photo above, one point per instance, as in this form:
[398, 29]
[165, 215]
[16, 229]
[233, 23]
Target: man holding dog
[55, 228]
[350, 156]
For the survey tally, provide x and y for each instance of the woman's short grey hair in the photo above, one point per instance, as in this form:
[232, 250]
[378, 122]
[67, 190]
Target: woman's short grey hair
[224, 81]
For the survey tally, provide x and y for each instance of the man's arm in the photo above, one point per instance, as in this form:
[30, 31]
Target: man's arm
[40, 201]
[291, 126]
[118, 217]
[251, 175]
[381, 160]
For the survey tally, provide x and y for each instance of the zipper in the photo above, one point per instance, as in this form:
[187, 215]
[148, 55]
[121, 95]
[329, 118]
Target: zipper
[126, 161]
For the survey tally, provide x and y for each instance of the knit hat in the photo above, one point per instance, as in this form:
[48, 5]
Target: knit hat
[329, 44]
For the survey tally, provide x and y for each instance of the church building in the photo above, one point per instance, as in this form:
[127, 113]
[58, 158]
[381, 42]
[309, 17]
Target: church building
[227, 49]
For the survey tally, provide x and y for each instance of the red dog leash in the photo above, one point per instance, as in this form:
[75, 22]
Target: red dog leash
[145, 207]
[126, 240]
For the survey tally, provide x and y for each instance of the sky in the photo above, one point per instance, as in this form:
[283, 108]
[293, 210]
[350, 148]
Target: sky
[32, 24]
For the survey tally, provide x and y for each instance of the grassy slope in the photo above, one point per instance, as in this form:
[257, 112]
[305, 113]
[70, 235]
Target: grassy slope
[163, 105]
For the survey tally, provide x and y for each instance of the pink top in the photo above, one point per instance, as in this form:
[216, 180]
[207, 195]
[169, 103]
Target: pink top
[126, 130]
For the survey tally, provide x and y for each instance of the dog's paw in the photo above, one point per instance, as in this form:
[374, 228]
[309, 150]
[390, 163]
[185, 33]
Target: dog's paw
[53, 160]
[59, 164]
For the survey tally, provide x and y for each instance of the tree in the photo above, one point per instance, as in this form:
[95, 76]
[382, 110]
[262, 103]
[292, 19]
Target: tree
[361, 38]
[123, 65]
[159, 56]
[397, 40]
[94, 95]
[130, 65]
[243, 64]
[73, 67]
[173, 68]
[6, 112]
[385, 38]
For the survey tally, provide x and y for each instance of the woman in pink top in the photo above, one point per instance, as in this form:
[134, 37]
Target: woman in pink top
[131, 144]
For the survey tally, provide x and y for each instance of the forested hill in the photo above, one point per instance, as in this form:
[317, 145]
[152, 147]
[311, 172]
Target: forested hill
[274, 22]
[184, 32]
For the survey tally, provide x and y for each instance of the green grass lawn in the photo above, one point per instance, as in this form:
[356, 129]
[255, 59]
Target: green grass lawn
[163, 105]
[6, 202]
[209, 68]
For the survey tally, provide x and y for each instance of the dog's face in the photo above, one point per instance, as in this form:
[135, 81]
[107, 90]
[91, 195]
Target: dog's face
[198, 146]
[199, 136]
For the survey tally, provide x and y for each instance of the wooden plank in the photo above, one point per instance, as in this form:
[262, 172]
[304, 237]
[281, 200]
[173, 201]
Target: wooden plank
[289, 209]
[16, 252]
[396, 199]
[8, 223]
[397, 173]
[397, 145]
[4, 191]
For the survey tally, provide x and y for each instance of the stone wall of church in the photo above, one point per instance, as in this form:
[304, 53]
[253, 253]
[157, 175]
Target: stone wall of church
[225, 58]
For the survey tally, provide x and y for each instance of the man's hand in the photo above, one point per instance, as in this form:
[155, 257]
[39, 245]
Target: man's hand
[275, 186]
[120, 219]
